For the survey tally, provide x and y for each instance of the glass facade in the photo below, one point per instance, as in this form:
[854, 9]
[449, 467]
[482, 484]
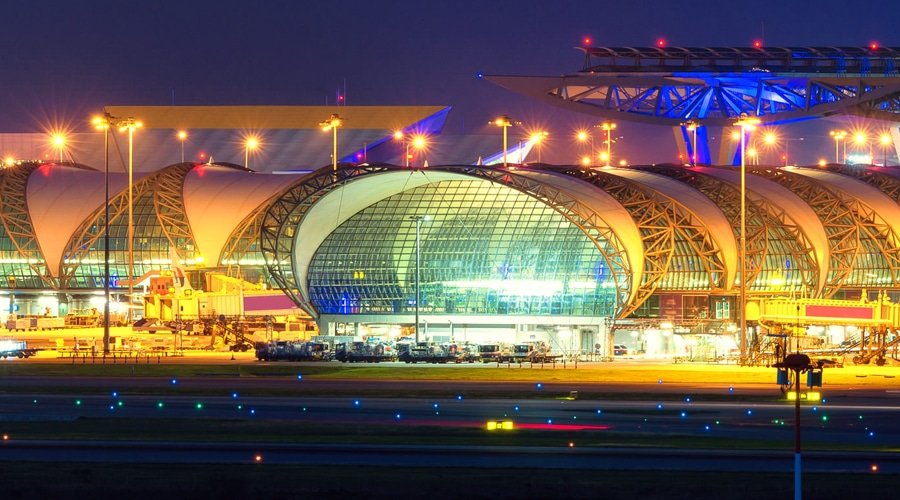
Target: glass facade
[151, 247]
[15, 269]
[484, 249]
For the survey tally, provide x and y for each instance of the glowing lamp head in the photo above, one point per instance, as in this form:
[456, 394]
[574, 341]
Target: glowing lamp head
[735, 135]
[582, 135]
[502, 121]
[822, 162]
[100, 123]
[757, 44]
[585, 161]
[59, 140]
[182, 135]
[660, 42]
[770, 138]
[623, 163]
[398, 135]
[884, 139]
[604, 156]
[419, 142]
[537, 137]
[873, 46]
[859, 138]
[252, 143]
[586, 41]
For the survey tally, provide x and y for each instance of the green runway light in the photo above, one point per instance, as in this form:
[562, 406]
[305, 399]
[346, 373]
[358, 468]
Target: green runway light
[119, 404]
[824, 418]
[199, 406]
[159, 404]
[77, 402]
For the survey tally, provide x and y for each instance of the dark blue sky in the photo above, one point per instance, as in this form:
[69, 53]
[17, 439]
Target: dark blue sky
[65, 59]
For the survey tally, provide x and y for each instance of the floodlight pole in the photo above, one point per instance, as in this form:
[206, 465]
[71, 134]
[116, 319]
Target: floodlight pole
[108, 121]
[418, 219]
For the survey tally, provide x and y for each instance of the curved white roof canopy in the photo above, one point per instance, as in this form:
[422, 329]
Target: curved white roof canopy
[866, 194]
[217, 199]
[708, 213]
[333, 209]
[760, 188]
[60, 199]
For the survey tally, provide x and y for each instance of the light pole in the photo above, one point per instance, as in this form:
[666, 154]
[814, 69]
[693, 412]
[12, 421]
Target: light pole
[130, 124]
[839, 136]
[504, 122]
[746, 123]
[103, 123]
[796, 363]
[182, 136]
[418, 219]
[692, 125]
[608, 127]
[537, 138]
[332, 123]
[885, 141]
[583, 136]
[417, 141]
[250, 144]
[59, 142]
[862, 140]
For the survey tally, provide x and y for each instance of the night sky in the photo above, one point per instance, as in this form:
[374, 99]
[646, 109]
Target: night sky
[63, 60]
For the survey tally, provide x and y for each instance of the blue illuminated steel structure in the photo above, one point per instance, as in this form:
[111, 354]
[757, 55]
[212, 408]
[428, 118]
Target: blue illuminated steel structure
[669, 85]
[713, 86]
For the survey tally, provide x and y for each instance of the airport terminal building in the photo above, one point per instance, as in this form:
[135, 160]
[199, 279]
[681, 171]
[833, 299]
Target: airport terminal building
[524, 252]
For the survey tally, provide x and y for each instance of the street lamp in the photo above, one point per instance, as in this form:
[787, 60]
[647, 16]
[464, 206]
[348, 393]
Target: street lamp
[797, 363]
[747, 123]
[332, 123]
[418, 219]
[839, 136]
[59, 142]
[862, 140]
[417, 141]
[583, 136]
[608, 127]
[103, 123]
[130, 124]
[250, 144]
[692, 125]
[504, 122]
[537, 138]
[885, 141]
[182, 136]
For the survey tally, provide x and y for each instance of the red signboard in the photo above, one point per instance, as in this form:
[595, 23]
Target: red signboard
[839, 312]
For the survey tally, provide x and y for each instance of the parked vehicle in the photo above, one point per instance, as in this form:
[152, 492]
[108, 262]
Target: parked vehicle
[15, 349]
[356, 352]
[283, 350]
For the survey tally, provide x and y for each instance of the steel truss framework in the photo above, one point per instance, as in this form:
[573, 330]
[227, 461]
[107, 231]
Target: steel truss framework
[169, 205]
[289, 209]
[886, 183]
[848, 222]
[766, 222]
[668, 86]
[17, 223]
[168, 185]
[244, 240]
[662, 222]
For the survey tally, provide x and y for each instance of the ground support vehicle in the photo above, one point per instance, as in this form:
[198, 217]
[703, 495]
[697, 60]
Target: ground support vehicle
[426, 352]
[362, 352]
[283, 350]
[15, 349]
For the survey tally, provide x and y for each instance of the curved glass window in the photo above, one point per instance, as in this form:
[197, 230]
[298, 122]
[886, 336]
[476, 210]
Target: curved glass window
[484, 249]
[16, 273]
[151, 247]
